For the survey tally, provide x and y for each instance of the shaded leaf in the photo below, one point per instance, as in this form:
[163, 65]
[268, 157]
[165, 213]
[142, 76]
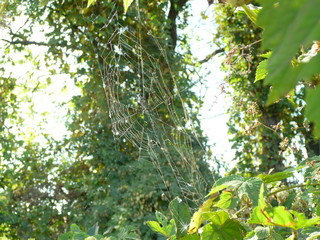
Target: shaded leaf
[250, 188]
[262, 232]
[225, 200]
[312, 111]
[299, 26]
[94, 230]
[161, 219]
[181, 216]
[75, 228]
[222, 183]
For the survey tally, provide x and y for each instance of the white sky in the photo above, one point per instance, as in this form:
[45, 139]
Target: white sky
[213, 113]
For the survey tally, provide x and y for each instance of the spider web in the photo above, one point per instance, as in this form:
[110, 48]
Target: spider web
[149, 112]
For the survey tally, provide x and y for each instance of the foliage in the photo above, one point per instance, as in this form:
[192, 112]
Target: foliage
[258, 211]
[263, 135]
[89, 176]
[299, 27]
[97, 178]
[93, 234]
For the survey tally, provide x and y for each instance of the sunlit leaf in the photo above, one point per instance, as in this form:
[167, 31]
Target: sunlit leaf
[275, 177]
[261, 72]
[197, 217]
[155, 226]
[225, 200]
[126, 5]
[191, 237]
[91, 2]
[219, 217]
[231, 229]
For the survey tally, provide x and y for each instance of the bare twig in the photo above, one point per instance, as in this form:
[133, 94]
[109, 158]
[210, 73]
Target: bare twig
[211, 55]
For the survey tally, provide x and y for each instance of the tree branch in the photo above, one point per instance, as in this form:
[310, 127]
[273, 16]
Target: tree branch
[26, 42]
[175, 8]
[211, 55]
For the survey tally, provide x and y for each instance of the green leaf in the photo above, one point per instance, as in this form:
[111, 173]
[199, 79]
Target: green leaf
[231, 229]
[259, 233]
[302, 221]
[75, 228]
[266, 55]
[197, 217]
[218, 218]
[93, 230]
[312, 111]
[181, 216]
[275, 177]
[191, 237]
[161, 219]
[262, 232]
[261, 72]
[251, 13]
[225, 200]
[222, 183]
[91, 2]
[251, 188]
[262, 203]
[280, 216]
[155, 226]
[126, 5]
[276, 236]
[288, 25]
[64, 236]
[314, 236]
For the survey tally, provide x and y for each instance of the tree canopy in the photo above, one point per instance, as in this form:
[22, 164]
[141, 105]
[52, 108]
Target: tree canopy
[133, 154]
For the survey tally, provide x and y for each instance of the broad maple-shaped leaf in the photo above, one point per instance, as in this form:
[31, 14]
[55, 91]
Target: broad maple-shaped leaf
[279, 216]
[249, 187]
[230, 229]
[287, 25]
[222, 183]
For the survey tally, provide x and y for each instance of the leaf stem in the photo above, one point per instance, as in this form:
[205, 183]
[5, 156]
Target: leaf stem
[291, 187]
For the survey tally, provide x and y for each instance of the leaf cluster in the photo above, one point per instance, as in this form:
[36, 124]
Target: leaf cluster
[247, 208]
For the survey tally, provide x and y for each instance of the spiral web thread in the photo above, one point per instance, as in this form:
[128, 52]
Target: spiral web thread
[136, 118]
